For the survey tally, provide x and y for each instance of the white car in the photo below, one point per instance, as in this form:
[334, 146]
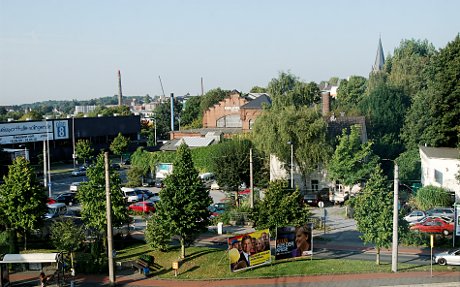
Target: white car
[447, 258]
[74, 186]
[415, 215]
[130, 194]
[215, 185]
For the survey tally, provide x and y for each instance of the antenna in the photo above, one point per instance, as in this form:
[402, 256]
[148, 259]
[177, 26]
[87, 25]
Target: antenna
[164, 96]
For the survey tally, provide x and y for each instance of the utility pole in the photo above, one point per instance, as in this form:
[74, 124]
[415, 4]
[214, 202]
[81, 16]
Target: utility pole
[74, 155]
[292, 163]
[394, 249]
[109, 220]
[45, 163]
[172, 112]
[251, 179]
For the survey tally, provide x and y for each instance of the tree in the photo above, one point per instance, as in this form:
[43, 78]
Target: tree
[67, 236]
[32, 115]
[353, 160]
[119, 145]
[257, 89]
[191, 112]
[84, 150]
[434, 116]
[405, 65]
[281, 206]
[350, 93]
[409, 166]
[302, 126]
[373, 211]
[182, 210]
[212, 97]
[92, 198]
[23, 200]
[163, 116]
[385, 109]
[431, 196]
[288, 90]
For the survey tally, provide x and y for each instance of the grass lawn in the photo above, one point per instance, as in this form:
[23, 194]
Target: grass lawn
[212, 263]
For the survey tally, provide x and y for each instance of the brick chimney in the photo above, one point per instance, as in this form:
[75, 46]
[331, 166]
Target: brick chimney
[326, 100]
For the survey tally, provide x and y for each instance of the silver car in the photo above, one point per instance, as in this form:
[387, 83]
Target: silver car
[447, 258]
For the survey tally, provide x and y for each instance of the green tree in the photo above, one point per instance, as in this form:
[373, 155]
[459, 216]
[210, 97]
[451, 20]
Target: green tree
[373, 211]
[434, 116]
[84, 150]
[405, 65]
[67, 236]
[353, 161]
[281, 206]
[135, 175]
[184, 202]
[350, 93]
[191, 112]
[302, 126]
[409, 166]
[32, 115]
[212, 97]
[431, 196]
[163, 116]
[257, 89]
[119, 145]
[156, 233]
[288, 90]
[385, 109]
[23, 200]
[92, 197]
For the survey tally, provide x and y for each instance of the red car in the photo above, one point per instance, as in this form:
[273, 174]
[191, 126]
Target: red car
[142, 206]
[436, 225]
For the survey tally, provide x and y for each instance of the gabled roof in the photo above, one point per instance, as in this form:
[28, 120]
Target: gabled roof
[440, 152]
[335, 125]
[194, 141]
[258, 103]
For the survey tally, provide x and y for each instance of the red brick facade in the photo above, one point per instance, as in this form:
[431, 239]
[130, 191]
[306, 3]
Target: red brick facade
[226, 113]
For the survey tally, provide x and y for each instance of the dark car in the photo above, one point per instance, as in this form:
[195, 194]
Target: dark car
[311, 199]
[68, 198]
[115, 166]
[159, 183]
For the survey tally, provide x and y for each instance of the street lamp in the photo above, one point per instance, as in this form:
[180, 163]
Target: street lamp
[394, 249]
[292, 163]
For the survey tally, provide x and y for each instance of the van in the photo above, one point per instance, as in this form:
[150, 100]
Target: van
[208, 176]
[56, 210]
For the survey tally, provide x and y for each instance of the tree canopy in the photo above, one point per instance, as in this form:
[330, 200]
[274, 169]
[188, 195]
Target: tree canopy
[84, 150]
[23, 199]
[353, 161]
[183, 206]
[304, 127]
[119, 145]
[434, 118]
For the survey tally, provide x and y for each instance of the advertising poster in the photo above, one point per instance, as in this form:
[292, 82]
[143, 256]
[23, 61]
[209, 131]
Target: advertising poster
[294, 242]
[249, 250]
[457, 215]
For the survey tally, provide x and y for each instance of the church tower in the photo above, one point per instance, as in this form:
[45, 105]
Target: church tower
[379, 58]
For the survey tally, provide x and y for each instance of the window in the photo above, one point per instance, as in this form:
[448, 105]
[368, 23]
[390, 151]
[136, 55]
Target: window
[438, 176]
[314, 184]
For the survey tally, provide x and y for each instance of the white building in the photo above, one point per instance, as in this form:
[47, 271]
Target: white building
[440, 167]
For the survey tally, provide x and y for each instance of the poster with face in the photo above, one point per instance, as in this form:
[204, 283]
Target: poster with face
[294, 242]
[248, 250]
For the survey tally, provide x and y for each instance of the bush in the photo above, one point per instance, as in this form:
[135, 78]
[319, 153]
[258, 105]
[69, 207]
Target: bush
[431, 196]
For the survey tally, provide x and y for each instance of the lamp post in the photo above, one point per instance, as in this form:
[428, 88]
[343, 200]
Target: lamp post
[292, 163]
[394, 249]
[74, 155]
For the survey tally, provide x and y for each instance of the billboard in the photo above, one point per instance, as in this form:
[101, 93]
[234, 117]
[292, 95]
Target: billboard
[457, 221]
[249, 250]
[294, 242]
[23, 132]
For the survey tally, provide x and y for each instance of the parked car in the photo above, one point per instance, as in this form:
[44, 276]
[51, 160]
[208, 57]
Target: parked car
[147, 182]
[415, 215]
[142, 194]
[437, 225]
[217, 209]
[159, 183]
[130, 194]
[214, 185]
[451, 257]
[142, 206]
[115, 166]
[431, 218]
[81, 171]
[440, 211]
[68, 198]
[311, 199]
[50, 200]
[55, 210]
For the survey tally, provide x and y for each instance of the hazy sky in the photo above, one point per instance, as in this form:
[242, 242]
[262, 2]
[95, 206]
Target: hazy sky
[63, 50]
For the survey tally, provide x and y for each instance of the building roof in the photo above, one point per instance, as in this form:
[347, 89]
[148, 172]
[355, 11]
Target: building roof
[192, 142]
[335, 125]
[258, 103]
[440, 152]
[30, 258]
[379, 58]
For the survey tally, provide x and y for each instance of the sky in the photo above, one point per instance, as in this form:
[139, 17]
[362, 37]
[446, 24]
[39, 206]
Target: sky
[64, 50]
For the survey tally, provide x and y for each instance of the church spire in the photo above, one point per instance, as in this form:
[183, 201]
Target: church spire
[379, 58]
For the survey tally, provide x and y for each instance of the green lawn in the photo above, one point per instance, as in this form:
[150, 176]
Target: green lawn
[212, 263]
